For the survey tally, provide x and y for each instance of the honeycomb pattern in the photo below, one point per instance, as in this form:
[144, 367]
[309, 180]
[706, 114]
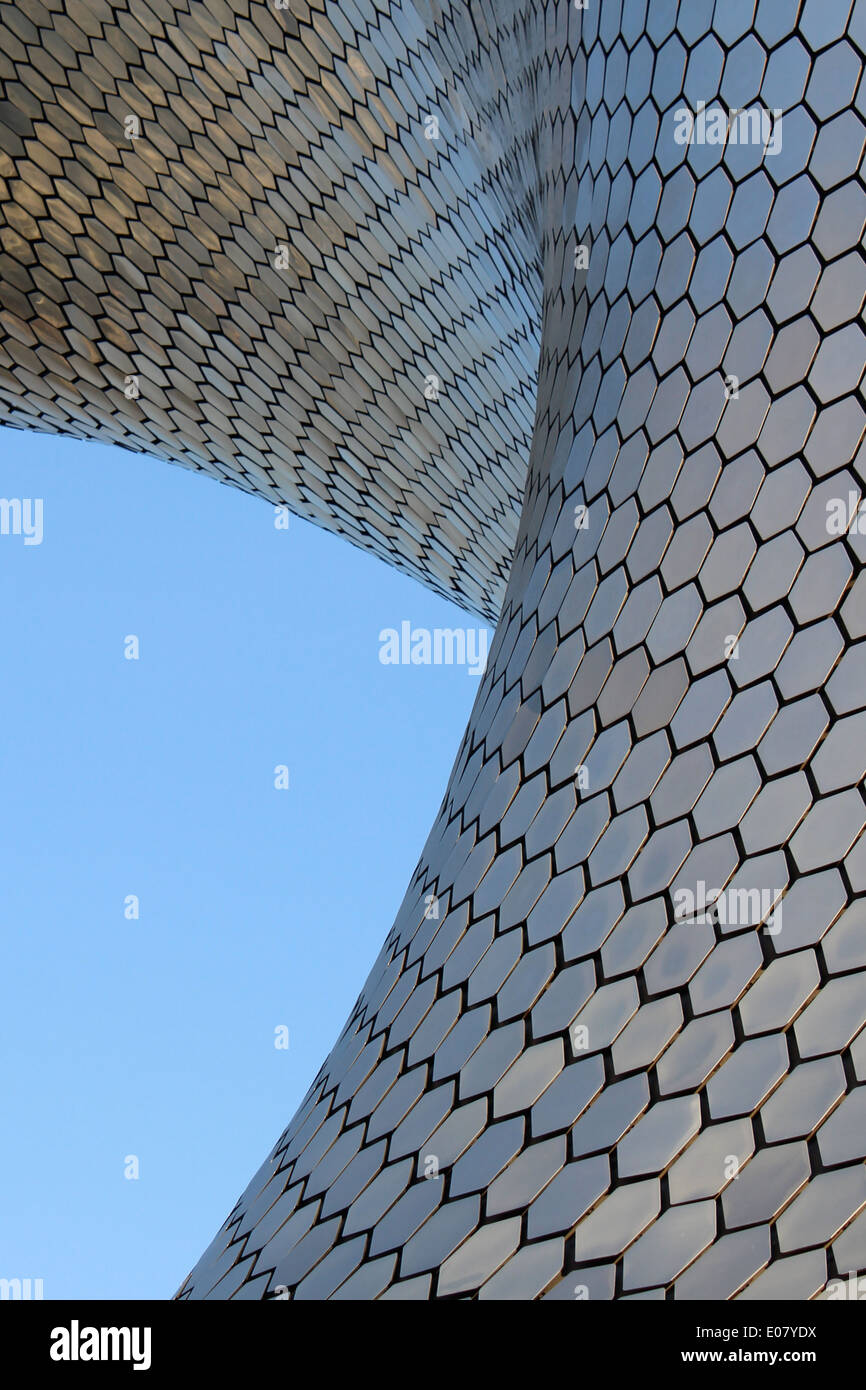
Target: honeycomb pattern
[614, 1045]
[282, 259]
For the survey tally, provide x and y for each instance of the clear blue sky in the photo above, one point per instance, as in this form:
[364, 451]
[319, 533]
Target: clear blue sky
[154, 777]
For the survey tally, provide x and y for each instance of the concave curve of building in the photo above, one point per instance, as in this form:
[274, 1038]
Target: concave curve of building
[559, 310]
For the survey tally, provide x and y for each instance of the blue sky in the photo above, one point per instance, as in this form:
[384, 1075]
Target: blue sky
[258, 908]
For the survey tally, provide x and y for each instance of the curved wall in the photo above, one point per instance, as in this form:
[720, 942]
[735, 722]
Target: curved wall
[612, 1045]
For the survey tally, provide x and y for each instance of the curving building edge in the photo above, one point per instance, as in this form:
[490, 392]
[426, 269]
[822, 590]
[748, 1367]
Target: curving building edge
[614, 1043]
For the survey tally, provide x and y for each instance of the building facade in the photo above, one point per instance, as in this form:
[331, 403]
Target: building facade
[558, 308]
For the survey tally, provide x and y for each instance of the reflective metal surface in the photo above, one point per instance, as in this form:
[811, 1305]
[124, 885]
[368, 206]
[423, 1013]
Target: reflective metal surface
[627, 1056]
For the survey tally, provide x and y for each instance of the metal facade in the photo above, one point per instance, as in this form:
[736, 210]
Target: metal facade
[612, 1045]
